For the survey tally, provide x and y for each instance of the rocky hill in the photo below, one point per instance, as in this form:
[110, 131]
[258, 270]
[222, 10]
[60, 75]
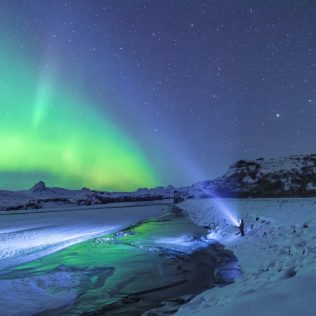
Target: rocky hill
[293, 176]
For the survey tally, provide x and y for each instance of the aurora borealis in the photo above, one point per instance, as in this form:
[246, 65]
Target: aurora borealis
[117, 94]
[46, 133]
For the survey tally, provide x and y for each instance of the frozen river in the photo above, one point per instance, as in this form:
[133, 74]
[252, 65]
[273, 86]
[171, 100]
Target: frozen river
[83, 261]
[28, 235]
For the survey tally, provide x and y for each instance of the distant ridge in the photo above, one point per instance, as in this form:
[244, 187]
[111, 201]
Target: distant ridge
[292, 176]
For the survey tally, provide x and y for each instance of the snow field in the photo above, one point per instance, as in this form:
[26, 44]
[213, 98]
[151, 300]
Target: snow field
[277, 257]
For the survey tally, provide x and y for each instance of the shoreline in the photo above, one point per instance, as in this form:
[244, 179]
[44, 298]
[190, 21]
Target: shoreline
[277, 258]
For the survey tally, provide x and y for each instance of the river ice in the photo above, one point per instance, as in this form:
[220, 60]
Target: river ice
[27, 235]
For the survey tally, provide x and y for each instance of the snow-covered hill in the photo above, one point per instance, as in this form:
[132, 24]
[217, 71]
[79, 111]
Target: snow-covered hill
[293, 176]
[276, 256]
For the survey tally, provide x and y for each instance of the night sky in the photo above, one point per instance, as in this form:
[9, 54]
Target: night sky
[124, 94]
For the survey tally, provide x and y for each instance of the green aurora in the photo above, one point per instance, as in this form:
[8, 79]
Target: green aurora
[47, 133]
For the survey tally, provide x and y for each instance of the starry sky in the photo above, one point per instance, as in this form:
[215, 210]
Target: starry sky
[121, 94]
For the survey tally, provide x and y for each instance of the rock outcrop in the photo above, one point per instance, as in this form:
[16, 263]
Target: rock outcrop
[293, 176]
[39, 187]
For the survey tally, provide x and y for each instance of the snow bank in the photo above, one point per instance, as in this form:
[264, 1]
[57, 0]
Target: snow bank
[277, 257]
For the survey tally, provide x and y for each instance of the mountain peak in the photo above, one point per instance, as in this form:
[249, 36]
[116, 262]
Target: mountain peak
[39, 187]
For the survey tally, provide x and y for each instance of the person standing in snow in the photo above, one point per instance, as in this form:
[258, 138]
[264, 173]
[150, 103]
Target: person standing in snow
[241, 227]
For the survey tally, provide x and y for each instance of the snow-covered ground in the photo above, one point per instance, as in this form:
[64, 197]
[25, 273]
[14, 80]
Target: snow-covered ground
[277, 257]
[27, 235]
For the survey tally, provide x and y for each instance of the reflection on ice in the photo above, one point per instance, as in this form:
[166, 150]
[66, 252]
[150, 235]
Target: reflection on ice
[28, 235]
[20, 247]
[186, 243]
[213, 236]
